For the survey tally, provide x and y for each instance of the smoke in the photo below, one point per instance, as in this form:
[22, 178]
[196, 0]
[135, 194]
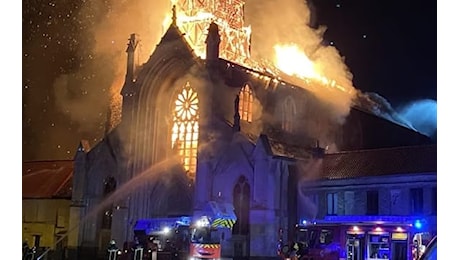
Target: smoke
[87, 93]
[285, 22]
[309, 172]
[380, 106]
[422, 114]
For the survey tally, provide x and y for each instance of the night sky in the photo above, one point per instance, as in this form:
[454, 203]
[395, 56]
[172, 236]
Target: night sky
[389, 46]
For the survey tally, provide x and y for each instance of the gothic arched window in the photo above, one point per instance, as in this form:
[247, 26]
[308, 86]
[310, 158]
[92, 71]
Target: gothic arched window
[184, 135]
[288, 114]
[246, 101]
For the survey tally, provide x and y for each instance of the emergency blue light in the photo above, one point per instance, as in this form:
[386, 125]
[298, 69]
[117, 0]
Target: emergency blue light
[418, 224]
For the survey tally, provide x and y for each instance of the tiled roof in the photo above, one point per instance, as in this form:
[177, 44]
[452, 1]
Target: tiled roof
[47, 179]
[364, 163]
[283, 147]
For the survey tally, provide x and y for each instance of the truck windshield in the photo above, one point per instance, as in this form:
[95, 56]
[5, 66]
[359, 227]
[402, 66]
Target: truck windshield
[204, 235]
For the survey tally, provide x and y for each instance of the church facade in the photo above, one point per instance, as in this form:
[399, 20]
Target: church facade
[196, 129]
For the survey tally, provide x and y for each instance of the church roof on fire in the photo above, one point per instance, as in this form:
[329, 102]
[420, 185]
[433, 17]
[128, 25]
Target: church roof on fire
[174, 49]
[286, 147]
[236, 75]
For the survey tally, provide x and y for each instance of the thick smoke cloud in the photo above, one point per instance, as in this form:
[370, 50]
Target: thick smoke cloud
[285, 22]
[87, 93]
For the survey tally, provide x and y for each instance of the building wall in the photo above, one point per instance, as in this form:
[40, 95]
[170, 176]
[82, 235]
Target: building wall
[45, 218]
[394, 195]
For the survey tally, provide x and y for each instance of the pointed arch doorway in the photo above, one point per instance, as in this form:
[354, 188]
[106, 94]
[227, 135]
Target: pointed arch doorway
[240, 231]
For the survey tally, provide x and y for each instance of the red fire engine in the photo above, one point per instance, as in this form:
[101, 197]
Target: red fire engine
[208, 231]
[357, 238]
[203, 242]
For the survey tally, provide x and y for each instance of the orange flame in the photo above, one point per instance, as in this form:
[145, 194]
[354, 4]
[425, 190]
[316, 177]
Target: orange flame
[291, 60]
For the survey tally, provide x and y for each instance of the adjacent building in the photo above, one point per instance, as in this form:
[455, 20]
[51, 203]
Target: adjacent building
[46, 198]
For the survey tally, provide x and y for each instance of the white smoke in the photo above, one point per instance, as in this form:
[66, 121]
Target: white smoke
[422, 115]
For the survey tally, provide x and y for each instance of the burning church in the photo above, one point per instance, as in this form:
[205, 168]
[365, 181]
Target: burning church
[201, 121]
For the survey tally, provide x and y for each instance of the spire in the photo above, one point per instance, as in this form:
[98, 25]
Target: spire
[236, 117]
[133, 42]
[174, 16]
[212, 42]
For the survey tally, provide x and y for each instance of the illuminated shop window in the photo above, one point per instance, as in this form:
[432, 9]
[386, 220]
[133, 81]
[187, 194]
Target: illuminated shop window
[185, 128]
[246, 100]
[288, 114]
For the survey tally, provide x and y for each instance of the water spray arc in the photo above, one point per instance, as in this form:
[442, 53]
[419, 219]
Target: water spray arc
[125, 189]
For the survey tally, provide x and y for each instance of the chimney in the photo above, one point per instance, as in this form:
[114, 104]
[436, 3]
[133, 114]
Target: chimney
[212, 43]
[318, 152]
[131, 50]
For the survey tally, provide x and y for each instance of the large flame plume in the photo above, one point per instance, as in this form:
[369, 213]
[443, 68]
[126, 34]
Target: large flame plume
[262, 34]
[283, 46]
[297, 53]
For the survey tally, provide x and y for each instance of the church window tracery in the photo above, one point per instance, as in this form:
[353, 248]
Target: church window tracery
[288, 114]
[246, 103]
[185, 128]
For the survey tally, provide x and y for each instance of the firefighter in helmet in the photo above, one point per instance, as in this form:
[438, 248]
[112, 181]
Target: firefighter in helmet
[112, 250]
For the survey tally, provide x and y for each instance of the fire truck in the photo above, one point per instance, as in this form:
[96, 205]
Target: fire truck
[184, 237]
[208, 231]
[161, 236]
[358, 238]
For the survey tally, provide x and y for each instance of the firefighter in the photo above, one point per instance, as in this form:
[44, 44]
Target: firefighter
[138, 249]
[112, 250]
[293, 253]
[25, 250]
[152, 249]
[30, 255]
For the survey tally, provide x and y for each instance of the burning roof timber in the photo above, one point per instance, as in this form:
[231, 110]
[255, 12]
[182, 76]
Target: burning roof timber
[173, 56]
[236, 75]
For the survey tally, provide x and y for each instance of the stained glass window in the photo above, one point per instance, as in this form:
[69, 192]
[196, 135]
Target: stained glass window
[246, 100]
[185, 128]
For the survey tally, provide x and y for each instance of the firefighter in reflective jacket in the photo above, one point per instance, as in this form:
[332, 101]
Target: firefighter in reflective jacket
[138, 249]
[112, 250]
